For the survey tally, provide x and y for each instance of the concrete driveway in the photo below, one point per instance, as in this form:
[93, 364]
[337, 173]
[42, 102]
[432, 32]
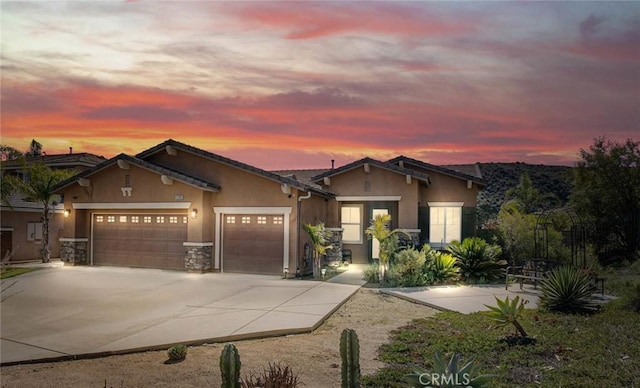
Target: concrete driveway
[62, 312]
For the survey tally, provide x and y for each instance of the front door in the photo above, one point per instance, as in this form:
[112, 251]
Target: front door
[374, 209]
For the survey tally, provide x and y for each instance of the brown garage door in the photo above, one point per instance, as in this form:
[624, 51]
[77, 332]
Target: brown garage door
[139, 240]
[252, 243]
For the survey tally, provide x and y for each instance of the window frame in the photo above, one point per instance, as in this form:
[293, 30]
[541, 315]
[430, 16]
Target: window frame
[456, 207]
[359, 224]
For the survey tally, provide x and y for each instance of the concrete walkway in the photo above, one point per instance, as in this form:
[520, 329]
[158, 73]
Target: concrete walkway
[66, 312]
[464, 299]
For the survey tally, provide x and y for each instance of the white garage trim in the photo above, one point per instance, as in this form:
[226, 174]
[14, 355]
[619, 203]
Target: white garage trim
[222, 210]
[368, 198]
[134, 205]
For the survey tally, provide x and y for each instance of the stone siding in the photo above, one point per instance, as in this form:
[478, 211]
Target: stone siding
[73, 251]
[198, 257]
[334, 255]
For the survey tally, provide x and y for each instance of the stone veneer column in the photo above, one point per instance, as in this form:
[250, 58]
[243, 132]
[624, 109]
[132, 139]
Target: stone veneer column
[73, 251]
[198, 257]
[335, 254]
[413, 241]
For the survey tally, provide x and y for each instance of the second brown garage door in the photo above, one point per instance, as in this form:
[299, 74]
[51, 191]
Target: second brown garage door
[253, 243]
[139, 240]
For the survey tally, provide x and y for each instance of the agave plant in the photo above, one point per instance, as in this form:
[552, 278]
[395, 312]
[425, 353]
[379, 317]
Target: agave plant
[448, 375]
[569, 290]
[477, 260]
[508, 312]
[440, 265]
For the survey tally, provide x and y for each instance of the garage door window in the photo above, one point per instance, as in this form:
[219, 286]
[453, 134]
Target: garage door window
[278, 220]
[262, 220]
[111, 219]
[123, 219]
[147, 219]
[135, 219]
[246, 219]
[173, 219]
[99, 219]
[231, 219]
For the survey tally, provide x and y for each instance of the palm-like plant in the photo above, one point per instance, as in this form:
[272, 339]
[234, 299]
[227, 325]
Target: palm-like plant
[320, 238]
[567, 289]
[477, 260]
[440, 265]
[388, 239]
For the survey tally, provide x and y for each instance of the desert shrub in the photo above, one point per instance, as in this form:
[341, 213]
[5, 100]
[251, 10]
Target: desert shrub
[477, 260]
[177, 352]
[275, 376]
[439, 267]
[372, 273]
[567, 290]
[407, 269]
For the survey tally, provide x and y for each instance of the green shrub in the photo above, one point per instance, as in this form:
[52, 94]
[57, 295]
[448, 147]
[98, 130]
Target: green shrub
[407, 269]
[276, 376]
[569, 290]
[631, 295]
[477, 260]
[372, 273]
[177, 352]
[439, 267]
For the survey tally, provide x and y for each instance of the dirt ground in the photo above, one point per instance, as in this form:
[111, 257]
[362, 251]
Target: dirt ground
[314, 356]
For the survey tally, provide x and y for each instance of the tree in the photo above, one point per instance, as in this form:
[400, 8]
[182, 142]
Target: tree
[388, 239]
[607, 192]
[8, 153]
[7, 186]
[39, 188]
[35, 149]
[320, 238]
[529, 196]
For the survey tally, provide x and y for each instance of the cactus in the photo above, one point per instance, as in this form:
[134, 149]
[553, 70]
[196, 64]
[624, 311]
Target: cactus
[230, 367]
[350, 353]
[177, 352]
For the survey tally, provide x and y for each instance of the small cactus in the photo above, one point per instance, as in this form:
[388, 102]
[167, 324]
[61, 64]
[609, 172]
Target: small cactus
[230, 367]
[177, 352]
[350, 354]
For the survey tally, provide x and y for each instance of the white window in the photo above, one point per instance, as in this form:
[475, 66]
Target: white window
[246, 219]
[173, 219]
[34, 231]
[123, 219]
[278, 220]
[231, 219]
[445, 223]
[262, 220]
[111, 219]
[351, 221]
[135, 219]
[147, 219]
[99, 218]
[160, 219]
[184, 220]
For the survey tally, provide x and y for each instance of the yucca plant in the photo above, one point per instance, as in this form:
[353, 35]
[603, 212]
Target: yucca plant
[441, 266]
[508, 312]
[568, 290]
[449, 374]
[320, 241]
[477, 260]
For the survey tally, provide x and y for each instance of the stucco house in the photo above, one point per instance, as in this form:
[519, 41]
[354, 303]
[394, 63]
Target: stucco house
[21, 220]
[175, 206]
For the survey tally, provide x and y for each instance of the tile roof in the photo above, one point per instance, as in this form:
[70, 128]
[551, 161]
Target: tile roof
[376, 163]
[177, 175]
[230, 162]
[440, 169]
[84, 159]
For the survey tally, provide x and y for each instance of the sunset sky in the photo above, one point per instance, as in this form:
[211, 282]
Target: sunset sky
[295, 84]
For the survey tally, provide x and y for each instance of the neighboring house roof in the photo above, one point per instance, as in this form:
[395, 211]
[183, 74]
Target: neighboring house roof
[443, 170]
[82, 159]
[372, 162]
[184, 178]
[469, 169]
[233, 163]
[18, 203]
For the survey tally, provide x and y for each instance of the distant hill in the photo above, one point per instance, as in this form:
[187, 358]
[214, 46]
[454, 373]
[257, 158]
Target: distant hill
[501, 177]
